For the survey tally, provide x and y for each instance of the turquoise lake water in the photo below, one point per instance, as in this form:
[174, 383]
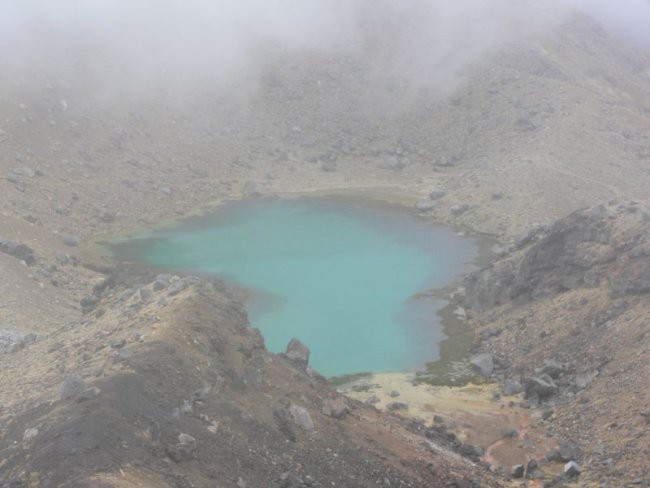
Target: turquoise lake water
[339, 276]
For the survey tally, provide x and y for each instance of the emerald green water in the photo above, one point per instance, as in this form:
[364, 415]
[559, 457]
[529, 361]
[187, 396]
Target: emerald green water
[340, 276]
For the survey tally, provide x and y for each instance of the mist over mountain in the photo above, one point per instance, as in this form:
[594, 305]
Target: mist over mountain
[106, 48]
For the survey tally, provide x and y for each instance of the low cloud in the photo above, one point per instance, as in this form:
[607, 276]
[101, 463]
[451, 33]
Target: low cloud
[120, 47]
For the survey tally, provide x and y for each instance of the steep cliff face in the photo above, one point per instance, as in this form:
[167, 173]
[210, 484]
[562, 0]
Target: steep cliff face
[605, 244]
[165, 384]
[564, 314]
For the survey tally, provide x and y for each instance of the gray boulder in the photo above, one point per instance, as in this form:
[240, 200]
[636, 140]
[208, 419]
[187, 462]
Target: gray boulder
[184, 449]
[335, 407]
[568, 451]
[394, 163]
[572, 469]
[425, 206]
[511, 387]
[301, 417]
[551, 368]
[459, 209]
[297, 351]
[483, 363]
[17, 250]
[162, 281]
[517, 471]
[541, 387]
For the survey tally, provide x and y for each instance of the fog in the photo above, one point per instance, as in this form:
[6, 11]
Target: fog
[131, 47]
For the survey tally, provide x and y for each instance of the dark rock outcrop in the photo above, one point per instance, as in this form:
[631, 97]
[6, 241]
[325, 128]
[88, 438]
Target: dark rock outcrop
[582, 250]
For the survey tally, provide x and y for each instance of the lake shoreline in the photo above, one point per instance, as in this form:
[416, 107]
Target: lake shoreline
[458, 333]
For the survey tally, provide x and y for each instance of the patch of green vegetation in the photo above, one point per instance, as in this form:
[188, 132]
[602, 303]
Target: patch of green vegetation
[348, 378]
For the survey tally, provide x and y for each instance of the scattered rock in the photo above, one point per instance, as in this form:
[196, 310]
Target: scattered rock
[425, 206]
[107, 216]
[17, 250]
[30, 434]
[335, 408]
[572, 469]
[547, 413]
[541, 387]
[328, 166]
[72, 385]
[568, 451]
[483, 363]
[517, 471]
[372, 400]
[70, 241]
[583, 380]
[551, 368]
[511, 387]
[24, 171]
[459, 209]
[301, 417]
[89, 302]
[162, 281]
[394, 163]
[183, 450]
[145, 294]
[437, 194]
[531, 465]
[393, 406]
[250, 190]
[12, 340]
[297, 351]
[470, 451]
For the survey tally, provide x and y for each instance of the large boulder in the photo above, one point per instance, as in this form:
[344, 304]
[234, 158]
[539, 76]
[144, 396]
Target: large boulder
[572, 253]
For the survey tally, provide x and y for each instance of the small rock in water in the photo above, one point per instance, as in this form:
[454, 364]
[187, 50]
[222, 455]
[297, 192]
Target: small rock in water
[297, 351]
